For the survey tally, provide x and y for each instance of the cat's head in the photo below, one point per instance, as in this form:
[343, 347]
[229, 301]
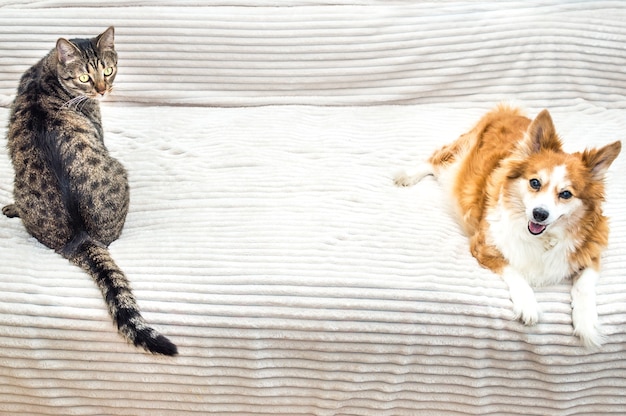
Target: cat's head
[87, 67]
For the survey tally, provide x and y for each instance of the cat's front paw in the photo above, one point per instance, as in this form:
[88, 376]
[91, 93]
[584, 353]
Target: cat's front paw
[10, 211]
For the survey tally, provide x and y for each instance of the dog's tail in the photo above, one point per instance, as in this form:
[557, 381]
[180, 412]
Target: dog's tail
[116, 291]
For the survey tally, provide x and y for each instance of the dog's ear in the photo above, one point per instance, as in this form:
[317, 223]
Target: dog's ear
[541, 135]
[599, 160]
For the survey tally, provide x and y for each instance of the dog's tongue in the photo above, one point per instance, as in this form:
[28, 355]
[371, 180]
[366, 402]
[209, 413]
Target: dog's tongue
[535, 228]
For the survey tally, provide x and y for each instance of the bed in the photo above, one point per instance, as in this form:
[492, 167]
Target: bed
[265, 236]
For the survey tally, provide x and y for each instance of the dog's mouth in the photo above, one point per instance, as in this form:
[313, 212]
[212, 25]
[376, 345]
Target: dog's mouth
[536, 229]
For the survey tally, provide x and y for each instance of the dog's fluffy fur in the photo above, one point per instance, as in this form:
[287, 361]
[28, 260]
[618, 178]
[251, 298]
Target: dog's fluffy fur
[532, 212]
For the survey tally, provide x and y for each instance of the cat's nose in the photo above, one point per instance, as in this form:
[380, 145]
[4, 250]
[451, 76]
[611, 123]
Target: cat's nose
[101, 88]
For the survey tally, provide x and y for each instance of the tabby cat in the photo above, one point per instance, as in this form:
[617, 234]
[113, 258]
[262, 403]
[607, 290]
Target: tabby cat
[69, 192]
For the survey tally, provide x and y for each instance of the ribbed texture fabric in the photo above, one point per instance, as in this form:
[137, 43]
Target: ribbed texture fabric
[309, 52]
[270, 244]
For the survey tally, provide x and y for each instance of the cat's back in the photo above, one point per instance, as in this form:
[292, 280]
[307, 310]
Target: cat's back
[64, 173]
[42, 106]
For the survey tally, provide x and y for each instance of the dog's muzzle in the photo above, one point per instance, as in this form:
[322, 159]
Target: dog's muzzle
[536, 226]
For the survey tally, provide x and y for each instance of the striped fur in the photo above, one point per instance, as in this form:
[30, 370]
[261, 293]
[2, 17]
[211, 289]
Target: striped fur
[69, 192]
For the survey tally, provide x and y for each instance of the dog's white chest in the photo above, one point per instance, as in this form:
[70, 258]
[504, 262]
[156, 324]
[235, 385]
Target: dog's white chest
[542, 260]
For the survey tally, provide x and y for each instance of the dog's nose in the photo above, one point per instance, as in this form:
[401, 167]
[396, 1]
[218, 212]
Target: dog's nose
[540, 214]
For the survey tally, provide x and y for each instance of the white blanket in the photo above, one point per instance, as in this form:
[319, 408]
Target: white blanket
[269, 243]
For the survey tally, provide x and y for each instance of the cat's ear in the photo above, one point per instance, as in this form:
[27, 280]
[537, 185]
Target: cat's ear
[66, 51]
[105, 41]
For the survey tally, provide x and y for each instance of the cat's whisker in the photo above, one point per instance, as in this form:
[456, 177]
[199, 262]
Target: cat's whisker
[77, 103]
[74, 101]
[80, 104]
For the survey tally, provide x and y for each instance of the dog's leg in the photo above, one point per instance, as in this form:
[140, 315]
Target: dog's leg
[414, 176]
[584, 313]
[525, 305]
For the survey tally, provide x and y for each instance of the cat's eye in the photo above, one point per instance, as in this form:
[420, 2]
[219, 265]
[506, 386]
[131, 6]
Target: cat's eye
[565, 195]
[535, 184]
[84, 78]
[108, 71]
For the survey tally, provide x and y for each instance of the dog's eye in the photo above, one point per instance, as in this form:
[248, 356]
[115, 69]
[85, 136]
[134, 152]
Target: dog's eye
[565, 195]
[535, 184]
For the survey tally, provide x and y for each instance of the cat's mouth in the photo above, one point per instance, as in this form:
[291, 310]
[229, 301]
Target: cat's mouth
[99, 91]
[98, 95]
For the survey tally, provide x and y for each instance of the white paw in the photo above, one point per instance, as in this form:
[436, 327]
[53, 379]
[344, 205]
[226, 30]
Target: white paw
[525, 307]
[403, 179]
[411, 178]
[589, 333]
[584, 312]
[586, 326]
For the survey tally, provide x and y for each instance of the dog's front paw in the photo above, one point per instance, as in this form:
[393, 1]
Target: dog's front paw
[584, 312]
[525, 307]
[589, 333]
[586, 326]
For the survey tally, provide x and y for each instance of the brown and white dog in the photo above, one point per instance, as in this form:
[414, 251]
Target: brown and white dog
[532, 212]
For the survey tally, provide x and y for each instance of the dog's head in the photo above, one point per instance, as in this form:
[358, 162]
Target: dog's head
[554, 188]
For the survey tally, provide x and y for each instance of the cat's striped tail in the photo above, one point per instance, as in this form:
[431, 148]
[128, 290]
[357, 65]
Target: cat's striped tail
[115, 287]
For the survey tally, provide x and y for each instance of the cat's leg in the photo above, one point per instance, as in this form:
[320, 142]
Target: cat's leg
[10, 211]
[106, 200]
[584, 313]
